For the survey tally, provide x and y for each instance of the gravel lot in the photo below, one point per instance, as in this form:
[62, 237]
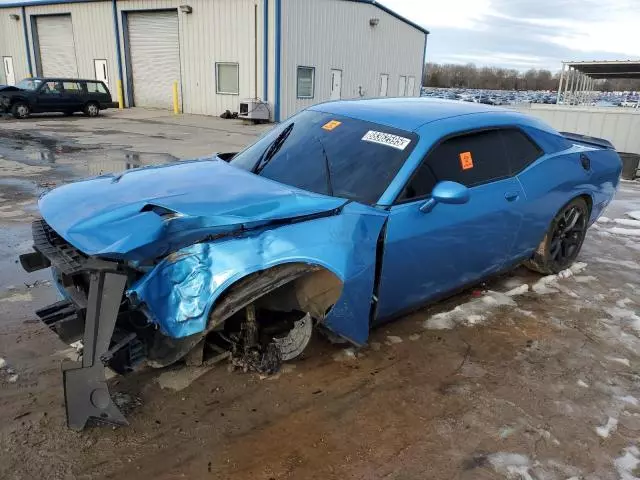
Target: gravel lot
[522, 377]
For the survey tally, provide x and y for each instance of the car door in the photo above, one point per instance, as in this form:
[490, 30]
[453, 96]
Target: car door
[427, 255]
[50, 97]
[74, 96]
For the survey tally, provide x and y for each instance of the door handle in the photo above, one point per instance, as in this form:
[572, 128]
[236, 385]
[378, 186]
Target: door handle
[511, 196]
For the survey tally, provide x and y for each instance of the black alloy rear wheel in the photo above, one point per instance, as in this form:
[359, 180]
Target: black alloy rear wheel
[563, 241]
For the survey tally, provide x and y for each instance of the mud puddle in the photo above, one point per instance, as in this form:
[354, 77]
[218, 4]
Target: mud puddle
[47, 162]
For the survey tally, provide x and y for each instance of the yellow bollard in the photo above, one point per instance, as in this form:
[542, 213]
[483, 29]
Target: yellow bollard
[176, 106]
[120, 95]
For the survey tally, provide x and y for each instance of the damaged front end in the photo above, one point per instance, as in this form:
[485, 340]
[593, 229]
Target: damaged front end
[93, 314]
[251, 279]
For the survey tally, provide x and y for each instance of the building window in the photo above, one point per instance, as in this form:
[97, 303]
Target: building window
[306, 82]
[228, 78]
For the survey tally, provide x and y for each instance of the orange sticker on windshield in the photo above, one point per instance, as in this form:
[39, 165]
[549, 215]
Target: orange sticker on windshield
[466, 160]
[333, 124]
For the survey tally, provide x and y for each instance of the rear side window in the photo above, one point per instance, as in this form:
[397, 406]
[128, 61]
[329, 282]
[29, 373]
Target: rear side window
[471, 160]
[71, 87]
[521, 150]
[96, 87]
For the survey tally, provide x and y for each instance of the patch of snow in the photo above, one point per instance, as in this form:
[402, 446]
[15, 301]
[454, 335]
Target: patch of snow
[545, 285]
[565, 273]
[608, 428]
[414, 337]
[635, 214]
[392, 339]
[627, 464]
[623, 302]
[3, 362]
[498, 299]
[627, 223]
[470, 313]
[519, 290]
[12, 379]
[631, 232]
[623, 361]
[583, 384]
[475, 319]
[578, 267]
[625, 314]
[631, 400]
[513, 465]
[526, 313]
[604, 220]
[18, 297]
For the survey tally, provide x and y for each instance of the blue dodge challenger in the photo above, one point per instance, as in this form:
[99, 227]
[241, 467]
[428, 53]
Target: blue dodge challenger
[346, 215]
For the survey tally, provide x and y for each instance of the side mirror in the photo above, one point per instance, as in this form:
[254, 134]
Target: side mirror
[452, 193]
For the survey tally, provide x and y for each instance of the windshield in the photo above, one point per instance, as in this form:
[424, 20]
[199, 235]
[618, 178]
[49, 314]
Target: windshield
[27, 84]
[331, 155]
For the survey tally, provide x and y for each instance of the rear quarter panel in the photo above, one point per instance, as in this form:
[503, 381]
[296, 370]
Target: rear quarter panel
[554, 180]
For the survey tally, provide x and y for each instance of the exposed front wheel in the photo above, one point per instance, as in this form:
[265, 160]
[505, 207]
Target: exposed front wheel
[92, 109]
[20, 110]
[563, 241]
[295, 341]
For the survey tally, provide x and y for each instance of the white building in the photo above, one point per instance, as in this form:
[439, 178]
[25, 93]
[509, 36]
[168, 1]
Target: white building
[288, 53]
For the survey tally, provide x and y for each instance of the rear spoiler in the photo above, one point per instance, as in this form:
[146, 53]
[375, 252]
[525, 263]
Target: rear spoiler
[598, 142]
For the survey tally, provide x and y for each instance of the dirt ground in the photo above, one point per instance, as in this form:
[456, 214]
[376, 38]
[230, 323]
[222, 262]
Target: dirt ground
[522, 377]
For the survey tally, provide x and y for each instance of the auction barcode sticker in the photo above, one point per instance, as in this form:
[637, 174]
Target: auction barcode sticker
[387, 139]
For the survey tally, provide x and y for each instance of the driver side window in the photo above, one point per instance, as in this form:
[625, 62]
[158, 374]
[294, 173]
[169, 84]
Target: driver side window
[470, 159]
[51, 88]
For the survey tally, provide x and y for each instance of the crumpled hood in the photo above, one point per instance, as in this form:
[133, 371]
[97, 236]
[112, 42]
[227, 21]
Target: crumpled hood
[124, 216]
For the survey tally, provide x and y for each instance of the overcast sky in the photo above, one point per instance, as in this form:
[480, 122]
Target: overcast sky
[526, 33]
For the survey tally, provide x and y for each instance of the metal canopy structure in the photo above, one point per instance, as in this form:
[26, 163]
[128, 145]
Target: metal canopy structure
[577, 79]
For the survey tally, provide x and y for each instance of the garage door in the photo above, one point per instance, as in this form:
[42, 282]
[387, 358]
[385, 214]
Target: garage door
[56, 46]
[154, 53]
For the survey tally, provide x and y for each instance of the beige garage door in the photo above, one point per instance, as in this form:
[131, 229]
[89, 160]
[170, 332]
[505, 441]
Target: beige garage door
[154, 52]
[56, 46]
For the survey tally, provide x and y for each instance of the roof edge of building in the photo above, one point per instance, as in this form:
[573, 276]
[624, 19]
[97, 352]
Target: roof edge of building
[393, 13]
[375, 3]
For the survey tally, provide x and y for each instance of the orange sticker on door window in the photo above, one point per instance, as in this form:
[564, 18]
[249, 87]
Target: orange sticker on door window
[333, 124]
[466, 160]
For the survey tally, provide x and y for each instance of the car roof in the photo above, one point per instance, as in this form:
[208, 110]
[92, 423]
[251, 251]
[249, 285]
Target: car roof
[57, 79]
[409, 113]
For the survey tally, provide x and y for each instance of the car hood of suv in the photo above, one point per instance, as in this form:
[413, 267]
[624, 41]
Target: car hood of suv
[146, 213]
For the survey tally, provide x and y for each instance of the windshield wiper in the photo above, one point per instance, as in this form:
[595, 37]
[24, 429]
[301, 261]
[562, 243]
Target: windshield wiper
[274, 148]
[326, 165]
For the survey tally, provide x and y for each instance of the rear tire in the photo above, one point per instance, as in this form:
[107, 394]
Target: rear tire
[20, 110]
[563, 241]
[91, 109]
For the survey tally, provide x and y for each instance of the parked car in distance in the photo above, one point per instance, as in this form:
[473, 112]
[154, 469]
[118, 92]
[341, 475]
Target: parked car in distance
[342, 217]
[65, 95]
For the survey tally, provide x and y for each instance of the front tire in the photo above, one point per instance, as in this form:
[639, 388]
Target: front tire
[20, 110]
[92, 109]
[563, 241]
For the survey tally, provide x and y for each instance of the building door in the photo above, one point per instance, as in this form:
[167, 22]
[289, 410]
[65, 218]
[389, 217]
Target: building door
[411, 86]
[9, 74]
[154, 57]
[384, 85]
[100, 67]
[402, 86]
[336, 84]
[56, 47]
